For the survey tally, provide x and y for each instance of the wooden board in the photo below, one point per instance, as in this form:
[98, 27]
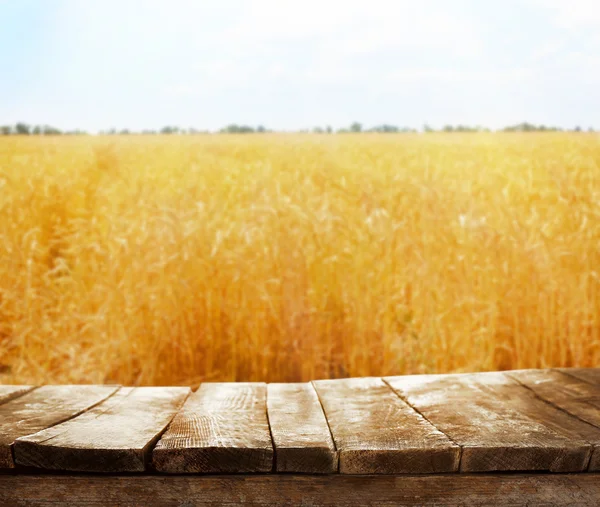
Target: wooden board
[115, 436]
[8, 393]
[590, 375]
[376, 432]
[300, 433]
[42, 408]
[514, 395]
[446, 490]
[495, 435]
[222, 427]
[571, 396]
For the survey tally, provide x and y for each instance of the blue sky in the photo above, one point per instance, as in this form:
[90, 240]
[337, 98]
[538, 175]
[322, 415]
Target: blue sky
[297, 64]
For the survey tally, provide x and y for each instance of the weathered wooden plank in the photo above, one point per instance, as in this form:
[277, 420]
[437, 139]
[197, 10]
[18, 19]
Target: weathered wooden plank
[524, 400]
[8, 393]
[115, 436]
[590, 375]
[572, 396]
[222, 427]
[445, 490]
[42, 408]
[376, 432]
[300, 433]
[495, 435]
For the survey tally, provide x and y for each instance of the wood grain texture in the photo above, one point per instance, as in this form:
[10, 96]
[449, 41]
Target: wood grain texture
[300, 433]
[42, 408]
[448, 490]
[590, 375]
[572, 396]
[526, 401]
[8, 393]
[476, 411]
[376, 432]
[115, 436]
[222, 427]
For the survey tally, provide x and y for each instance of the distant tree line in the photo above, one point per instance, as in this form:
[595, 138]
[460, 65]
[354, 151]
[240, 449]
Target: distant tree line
[23, 129]
[356, 127]
[529, 127]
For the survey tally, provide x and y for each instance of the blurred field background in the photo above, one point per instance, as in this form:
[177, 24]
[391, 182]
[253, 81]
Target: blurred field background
[179, 259]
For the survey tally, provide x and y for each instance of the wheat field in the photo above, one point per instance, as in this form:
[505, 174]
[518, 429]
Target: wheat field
[179, 259]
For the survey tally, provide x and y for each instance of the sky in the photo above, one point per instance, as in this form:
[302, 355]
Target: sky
[144, 64]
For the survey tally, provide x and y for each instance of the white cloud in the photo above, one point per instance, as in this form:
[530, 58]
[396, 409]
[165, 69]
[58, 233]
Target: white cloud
[573, 14]
[478, 76]
[355, 26]
[547, 49]
[329, 43]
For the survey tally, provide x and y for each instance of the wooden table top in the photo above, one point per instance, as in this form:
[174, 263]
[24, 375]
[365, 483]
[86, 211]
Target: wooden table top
[524, 420]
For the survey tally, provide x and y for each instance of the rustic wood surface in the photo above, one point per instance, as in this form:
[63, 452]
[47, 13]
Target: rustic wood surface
[222, 427]
[301, 436]
[495, 435]
[115, 436]
[572, 396]
[530, 404]
[8, 393]
[590, 375]
[41, 408]
[516, 421]
[376, 432]
[445, 490]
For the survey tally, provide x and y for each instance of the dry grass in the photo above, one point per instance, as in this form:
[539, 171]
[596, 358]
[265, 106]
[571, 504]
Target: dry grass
[171, 260]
